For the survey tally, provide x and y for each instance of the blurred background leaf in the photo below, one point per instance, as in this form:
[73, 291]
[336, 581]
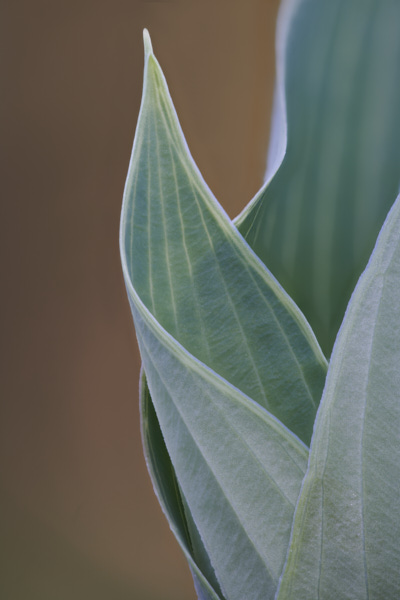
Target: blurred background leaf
[316, 223]
[78, 516]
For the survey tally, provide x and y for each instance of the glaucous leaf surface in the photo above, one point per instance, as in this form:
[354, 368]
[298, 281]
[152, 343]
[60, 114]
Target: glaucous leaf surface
[220, 342]
[239, 469]
[335, 152]
[200, 280]
[345, 540]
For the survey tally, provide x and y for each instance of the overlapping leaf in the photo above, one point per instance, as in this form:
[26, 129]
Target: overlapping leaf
[345, 541]
[202, 283]
[239, 469]
[221, 342]
[336, 141]
[167, 489]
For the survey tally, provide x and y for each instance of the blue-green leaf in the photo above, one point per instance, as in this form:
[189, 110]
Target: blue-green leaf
[345, 541]
[200, 280]
[335, 152]
[239, 469]
[223, 347]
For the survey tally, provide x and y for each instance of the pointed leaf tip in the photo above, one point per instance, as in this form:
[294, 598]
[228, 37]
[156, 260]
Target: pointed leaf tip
[148, 48]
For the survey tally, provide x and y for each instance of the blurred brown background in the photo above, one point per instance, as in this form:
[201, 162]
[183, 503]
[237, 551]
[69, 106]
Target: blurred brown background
[78, 518]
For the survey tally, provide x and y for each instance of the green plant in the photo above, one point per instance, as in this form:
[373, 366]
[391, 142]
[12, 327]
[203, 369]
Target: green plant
[232, 372]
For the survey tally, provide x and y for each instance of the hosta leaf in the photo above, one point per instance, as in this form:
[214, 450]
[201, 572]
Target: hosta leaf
[239, 469]
[167, 489]
[337, 115]
[220, 342]
[346, 533]
[200, 280]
